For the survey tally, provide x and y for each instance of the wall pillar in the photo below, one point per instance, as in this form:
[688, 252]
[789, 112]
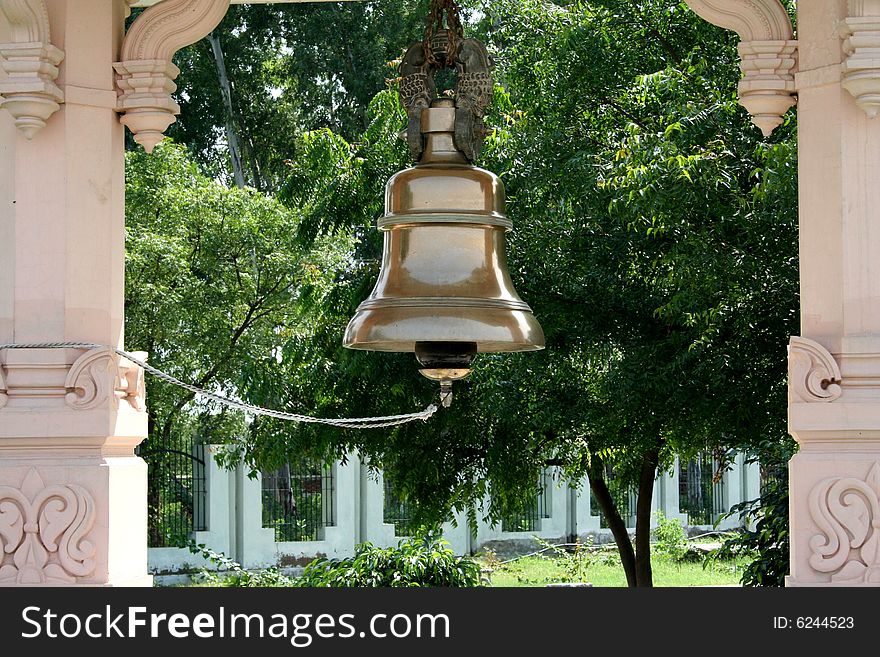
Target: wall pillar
[255, 545]
[671, 497]
[69, 419]
[834, 368]
[373, 528]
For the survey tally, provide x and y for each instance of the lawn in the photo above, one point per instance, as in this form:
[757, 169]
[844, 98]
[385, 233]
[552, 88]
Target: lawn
[603, 568]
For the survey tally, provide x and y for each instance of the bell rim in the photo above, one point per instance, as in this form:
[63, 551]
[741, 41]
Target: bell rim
[494, 219]
[361, 332]
[444, 303]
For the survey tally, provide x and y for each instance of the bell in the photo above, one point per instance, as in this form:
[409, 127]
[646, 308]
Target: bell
[443, 290]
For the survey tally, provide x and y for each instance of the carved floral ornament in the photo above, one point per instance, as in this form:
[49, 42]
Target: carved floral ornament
[846, 511]
[43, 532]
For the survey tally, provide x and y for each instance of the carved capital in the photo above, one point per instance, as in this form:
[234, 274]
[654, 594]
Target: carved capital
[44, 532]
[768, 54]
[846, 510]
[100, 378]
[861, 43]
[145, 74]
[813, 374]
[31, 62]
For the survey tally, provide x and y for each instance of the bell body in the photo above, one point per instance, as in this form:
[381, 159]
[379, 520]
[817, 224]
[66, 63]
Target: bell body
[444, 275]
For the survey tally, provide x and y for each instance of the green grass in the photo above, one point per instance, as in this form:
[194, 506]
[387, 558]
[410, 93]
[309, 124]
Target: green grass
[604, 569]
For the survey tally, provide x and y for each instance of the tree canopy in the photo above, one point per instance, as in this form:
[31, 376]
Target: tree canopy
[654, 237]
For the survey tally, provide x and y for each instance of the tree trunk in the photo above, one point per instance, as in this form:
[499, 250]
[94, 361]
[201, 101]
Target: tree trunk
[612, 517]
[647, 475]
[226, 93]
[250, 151]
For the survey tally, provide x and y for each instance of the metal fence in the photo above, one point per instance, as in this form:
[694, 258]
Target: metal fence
[176, 491]
[397, 512]
[529, 518]
[701, 489]
[299, 500]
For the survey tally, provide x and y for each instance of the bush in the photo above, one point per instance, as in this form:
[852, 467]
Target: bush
[415, 562]
[230, 573]
[671, 538]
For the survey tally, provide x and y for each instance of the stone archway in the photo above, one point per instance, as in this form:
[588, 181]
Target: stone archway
[74, 494]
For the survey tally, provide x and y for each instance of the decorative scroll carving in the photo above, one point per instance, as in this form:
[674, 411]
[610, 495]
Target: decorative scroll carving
[768, 54]
[813, 374]
[417, 90]
[861, 69]
[132, 386]
[847, 512]
[473, 94]
[753, 20]
[145, 74]
[45, 529]
[99, 377]
[90, 382]
[31, 62]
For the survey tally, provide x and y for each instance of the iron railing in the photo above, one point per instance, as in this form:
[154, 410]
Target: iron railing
[701, 492]
[529, 518]
[397, 512]
[176, 490]
[625, 500]
[299, 500]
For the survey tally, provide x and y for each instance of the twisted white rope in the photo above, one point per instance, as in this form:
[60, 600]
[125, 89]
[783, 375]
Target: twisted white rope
[346, 423]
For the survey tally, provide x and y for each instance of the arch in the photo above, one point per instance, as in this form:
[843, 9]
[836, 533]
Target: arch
[146, 75]
[753, 20]
[768, 54]
[28, 20]
[165, 28]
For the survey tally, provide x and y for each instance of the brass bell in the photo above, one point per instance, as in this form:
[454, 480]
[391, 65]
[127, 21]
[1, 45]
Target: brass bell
[443, 290]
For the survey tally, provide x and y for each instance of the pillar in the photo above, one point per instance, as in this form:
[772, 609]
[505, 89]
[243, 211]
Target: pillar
[834, 366]
[72, 492]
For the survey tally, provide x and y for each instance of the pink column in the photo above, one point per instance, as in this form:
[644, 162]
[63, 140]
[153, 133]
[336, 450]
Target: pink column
[72, 494]
[834, 386]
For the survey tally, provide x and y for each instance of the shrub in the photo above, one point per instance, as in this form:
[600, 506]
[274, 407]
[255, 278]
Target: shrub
[671, 538]
[422, 561]
[230, 573]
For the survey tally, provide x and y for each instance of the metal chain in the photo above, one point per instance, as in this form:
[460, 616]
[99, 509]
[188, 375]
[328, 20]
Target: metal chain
[346, 423]
[453, 28]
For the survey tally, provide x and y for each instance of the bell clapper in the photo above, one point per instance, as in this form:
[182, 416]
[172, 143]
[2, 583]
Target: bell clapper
[445, 362]
[446, 393]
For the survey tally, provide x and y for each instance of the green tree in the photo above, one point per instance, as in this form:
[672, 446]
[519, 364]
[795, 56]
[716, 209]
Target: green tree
[655, 239]
[286, 69]
[212, 273]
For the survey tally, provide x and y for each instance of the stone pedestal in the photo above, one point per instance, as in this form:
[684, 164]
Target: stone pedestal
[72, 494]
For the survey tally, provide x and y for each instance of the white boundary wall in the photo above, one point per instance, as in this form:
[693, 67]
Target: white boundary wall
[235, 517]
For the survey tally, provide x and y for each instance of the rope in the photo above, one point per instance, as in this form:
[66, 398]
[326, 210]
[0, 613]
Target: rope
[345, 423]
